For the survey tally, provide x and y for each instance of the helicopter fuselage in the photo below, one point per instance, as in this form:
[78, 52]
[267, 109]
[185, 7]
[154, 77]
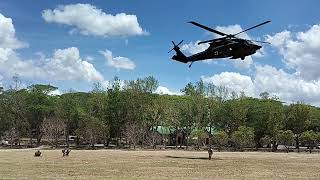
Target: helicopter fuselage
[232, 49]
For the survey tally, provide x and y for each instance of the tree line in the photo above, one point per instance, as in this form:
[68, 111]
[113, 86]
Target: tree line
[130, 114]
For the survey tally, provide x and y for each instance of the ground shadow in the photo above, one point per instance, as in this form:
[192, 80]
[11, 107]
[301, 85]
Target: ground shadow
[201, 158]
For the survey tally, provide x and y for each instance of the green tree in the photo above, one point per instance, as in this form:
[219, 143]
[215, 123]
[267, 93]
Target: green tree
[91, 129]
[117, 103]
[16, 106]
[264, 95]
[68, 108]
[200, 134]
[275, 118]
[243, 137]
[220, 139]
[173, 118]
[298, 119]
[266, 116]
[97, 107]
[155, 113]
[308, 138]
[232, 115]
[286, 138]
[40, 105]
[189, 90]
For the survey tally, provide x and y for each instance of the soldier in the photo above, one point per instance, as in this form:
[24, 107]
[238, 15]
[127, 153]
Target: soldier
[65, 151]
[37, 153]
[210, 152]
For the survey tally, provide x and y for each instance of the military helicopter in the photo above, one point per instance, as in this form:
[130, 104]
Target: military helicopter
[227, 46]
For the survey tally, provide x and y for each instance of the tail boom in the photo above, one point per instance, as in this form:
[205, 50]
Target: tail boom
[180, 56]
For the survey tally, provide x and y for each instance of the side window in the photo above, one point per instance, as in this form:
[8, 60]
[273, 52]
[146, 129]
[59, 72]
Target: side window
[216, 53]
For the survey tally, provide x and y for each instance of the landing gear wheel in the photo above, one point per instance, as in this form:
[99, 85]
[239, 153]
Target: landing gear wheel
[191, 64]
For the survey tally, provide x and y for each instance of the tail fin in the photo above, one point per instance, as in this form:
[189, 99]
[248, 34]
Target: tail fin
[179, 56]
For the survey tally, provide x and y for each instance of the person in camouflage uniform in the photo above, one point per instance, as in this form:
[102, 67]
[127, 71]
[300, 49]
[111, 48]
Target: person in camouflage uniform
[210, 152]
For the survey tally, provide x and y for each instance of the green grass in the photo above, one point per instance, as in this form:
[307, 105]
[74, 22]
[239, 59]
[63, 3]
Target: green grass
[117, 164]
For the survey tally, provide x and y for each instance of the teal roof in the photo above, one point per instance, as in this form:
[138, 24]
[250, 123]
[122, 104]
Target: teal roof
[213, 130]
[164, 130]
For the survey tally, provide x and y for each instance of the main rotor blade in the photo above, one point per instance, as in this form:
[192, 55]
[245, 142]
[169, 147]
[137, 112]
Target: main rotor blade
[201, 42]
[225, 45]
[211, 40]
[255, 41]
[207, 28]
[252, 27]
[260, 41]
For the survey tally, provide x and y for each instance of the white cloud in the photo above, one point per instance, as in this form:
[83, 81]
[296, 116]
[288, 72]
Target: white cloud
[1, 78]
[232, 81]
[118, 62]
[165, 90]
[41, 55]
[89, 58]
[300, 51]
[10, 63]
[89, 20]
[65, 64]
[279, 39]
[243, 64]
[56, 92]
[288, 87]
[7, 34]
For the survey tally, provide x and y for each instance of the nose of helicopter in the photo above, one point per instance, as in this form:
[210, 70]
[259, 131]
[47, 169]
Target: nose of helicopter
[258, 47]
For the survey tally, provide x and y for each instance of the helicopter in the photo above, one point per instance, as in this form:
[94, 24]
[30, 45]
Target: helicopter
[227, 46]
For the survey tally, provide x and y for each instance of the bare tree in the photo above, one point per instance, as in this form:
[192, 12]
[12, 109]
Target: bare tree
[93, 130]
[53, 128]
[12, 135]
[153, 138]
[132, 133]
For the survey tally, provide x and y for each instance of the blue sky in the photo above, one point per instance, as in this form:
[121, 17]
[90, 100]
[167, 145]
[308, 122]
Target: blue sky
[161, 22]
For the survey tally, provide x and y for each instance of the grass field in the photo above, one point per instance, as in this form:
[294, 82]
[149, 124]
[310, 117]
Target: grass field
[118, 164]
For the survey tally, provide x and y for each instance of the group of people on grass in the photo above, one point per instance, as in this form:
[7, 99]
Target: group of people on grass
[65, 152]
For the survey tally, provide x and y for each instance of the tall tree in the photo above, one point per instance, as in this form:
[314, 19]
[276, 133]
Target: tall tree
[308, 138]
[40, 105]
[232, 115]
[97, 107]
[220, 139]
[298, 119]
[286, 138]
[243, 137]
[16, 106]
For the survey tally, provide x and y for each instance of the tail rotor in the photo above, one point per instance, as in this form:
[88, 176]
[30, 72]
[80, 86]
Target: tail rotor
[175, 47]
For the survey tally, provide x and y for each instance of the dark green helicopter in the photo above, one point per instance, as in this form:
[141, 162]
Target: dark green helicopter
[228, 46]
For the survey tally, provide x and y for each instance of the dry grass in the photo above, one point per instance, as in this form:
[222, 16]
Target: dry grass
[117, 164]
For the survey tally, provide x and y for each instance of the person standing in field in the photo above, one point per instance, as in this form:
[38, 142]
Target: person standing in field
[210, 152]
